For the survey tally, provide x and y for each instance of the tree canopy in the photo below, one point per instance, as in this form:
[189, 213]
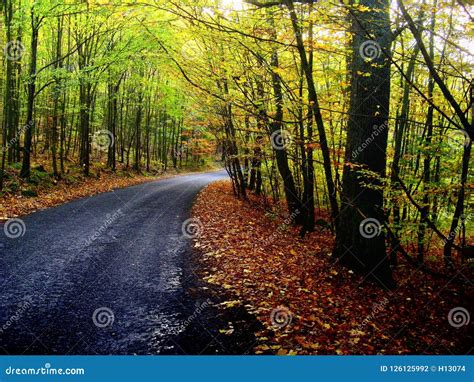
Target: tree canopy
[362, 109]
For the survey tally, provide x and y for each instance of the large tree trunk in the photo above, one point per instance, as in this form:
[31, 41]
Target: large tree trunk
[360, 242]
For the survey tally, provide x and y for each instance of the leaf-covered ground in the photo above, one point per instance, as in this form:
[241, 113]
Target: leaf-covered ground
[311, 305]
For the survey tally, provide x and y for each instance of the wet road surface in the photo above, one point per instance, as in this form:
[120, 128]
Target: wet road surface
[114, 274]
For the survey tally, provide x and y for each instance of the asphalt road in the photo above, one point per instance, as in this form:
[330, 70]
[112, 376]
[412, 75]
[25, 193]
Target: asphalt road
[113, 274]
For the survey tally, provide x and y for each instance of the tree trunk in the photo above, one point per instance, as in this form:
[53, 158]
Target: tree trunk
[462, 192]
[425, 212]
[26, 165]
[278, 140]
[138, 121]
[360, 242]
[316, 111]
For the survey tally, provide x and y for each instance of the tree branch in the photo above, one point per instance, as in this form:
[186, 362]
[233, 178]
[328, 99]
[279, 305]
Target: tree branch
[429, 63]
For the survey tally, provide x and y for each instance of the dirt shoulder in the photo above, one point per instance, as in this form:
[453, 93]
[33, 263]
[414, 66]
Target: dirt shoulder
[309, 304]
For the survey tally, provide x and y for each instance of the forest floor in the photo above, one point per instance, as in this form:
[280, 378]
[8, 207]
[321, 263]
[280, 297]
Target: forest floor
[42, 190]
[309, 304]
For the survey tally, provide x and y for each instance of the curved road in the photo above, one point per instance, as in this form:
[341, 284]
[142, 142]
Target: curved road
[112, 274]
